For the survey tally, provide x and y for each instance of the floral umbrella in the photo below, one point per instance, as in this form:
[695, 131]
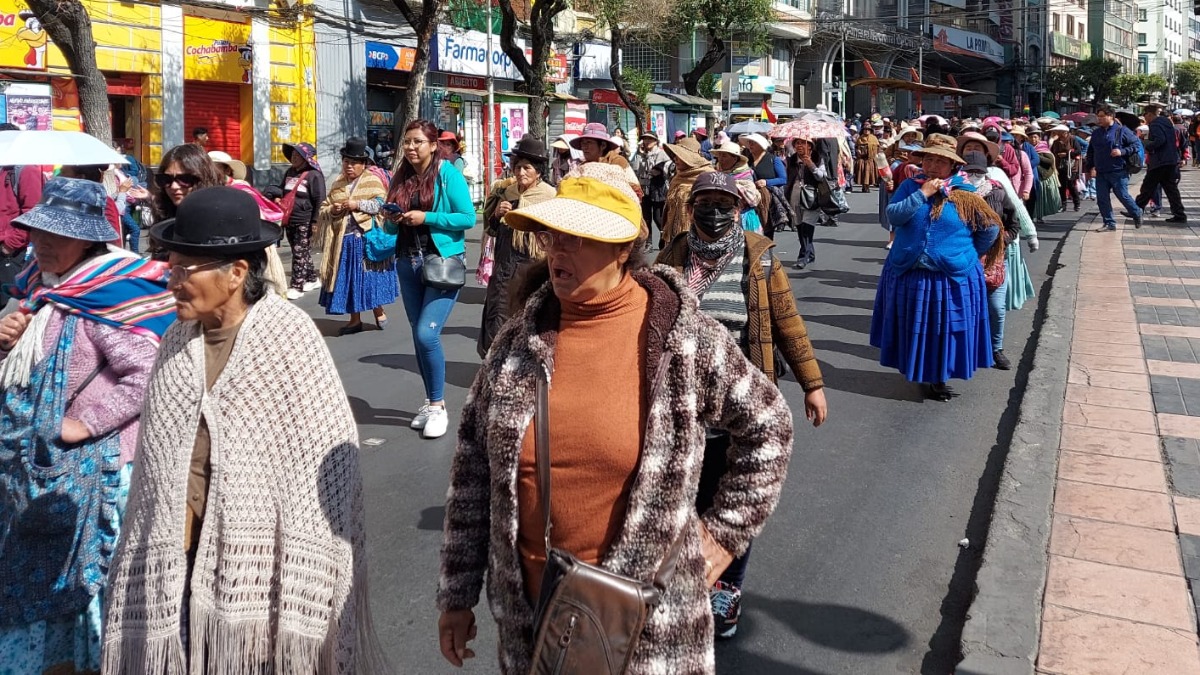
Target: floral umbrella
[810, 129]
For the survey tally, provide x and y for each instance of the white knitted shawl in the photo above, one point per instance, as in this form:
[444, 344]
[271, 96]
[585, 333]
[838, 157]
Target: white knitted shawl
[280, 578]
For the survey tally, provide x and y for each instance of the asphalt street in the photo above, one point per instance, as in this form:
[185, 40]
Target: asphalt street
[860, 570]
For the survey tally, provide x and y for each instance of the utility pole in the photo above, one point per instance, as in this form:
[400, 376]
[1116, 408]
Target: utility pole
[842, 92]
[488, 123]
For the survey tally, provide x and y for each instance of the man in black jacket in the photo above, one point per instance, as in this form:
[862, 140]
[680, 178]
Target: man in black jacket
[1162, 163]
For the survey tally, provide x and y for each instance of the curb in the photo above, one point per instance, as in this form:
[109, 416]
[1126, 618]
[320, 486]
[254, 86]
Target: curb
[1003, 624]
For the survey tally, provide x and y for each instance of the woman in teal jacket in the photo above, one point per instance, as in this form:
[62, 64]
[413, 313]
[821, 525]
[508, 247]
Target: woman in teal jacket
[433, 211]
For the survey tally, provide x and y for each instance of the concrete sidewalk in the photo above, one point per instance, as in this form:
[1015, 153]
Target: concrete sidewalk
[1124, 549]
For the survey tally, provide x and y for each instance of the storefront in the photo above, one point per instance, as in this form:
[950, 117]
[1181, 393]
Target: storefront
[247, 80]
[388, 68]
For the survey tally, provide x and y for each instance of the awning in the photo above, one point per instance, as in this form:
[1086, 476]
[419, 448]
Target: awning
[894, 83]
[689, 100]
[557, 96]
[654, 98]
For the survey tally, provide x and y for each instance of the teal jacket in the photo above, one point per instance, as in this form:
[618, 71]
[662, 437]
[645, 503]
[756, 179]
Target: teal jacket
[452, 215]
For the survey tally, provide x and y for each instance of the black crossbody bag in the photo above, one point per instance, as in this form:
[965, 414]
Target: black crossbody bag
[588, 619]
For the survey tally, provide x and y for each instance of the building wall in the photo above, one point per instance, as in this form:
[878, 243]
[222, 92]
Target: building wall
[1160, 33]
[1111, 31]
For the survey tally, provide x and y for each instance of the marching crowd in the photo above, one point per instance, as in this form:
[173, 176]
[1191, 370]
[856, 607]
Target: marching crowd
[179, 480]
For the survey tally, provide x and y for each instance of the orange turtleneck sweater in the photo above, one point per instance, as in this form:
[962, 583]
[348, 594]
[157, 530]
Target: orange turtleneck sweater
[598, 413]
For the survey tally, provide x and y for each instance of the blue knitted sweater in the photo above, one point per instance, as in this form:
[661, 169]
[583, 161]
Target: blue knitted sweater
[945, 244]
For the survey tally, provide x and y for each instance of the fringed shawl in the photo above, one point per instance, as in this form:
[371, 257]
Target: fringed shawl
[332, 228]
[279, 582]
[506, 190]
[675, 217]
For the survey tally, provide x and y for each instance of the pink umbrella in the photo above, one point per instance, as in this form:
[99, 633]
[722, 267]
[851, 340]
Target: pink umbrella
[809, 129]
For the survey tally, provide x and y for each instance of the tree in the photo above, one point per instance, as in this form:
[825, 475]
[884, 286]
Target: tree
[1187, 77]
[70, 28]
[533, 69]
[1097, 74]
[423, 18]
[622, 17]
[719, 20]
[1064, 81]
[1129, 88]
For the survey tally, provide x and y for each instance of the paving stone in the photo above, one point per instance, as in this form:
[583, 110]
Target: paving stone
[1180, 349]
[1185, 480]
[1182, 451]
[1121, 592]
[1114, 544]
[1155, 347]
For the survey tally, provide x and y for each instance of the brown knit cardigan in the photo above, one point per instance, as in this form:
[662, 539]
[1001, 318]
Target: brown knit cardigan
[699, 379]
[774, 319]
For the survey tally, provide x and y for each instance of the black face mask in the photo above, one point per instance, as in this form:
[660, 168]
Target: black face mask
[713, 220]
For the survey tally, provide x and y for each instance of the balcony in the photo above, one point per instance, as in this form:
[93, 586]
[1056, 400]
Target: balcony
[794, 20]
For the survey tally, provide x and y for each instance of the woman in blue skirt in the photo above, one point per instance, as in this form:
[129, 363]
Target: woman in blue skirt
[931, 310]
[358, 270]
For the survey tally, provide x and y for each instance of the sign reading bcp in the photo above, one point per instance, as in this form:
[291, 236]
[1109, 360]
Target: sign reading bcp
[387, 57]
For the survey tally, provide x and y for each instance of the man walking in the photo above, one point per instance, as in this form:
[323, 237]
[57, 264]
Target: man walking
[1111, 144]
[1162, 164]
[651, 164]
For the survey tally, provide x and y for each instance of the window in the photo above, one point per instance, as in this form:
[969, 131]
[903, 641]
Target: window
[1141, 39]
[648, 58]
[1054, 22]
[1141, 15]
[1070, 25]
[1144, 64]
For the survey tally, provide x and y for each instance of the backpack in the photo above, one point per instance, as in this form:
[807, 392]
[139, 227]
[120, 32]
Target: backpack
[381, 173]
[14, 179]
[1136, 160]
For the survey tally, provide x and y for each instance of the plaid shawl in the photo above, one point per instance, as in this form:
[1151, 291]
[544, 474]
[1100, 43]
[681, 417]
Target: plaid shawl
[116, 290]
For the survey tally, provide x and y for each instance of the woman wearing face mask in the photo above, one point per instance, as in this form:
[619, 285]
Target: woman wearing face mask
[930, 320]
[743, 286]
[625, 439]
[732, 162]
[803, 175]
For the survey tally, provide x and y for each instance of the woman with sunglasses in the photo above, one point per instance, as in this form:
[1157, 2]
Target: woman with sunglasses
[183, 170]
[429, 205]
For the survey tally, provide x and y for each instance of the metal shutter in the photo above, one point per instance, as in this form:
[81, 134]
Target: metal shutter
[216, 106]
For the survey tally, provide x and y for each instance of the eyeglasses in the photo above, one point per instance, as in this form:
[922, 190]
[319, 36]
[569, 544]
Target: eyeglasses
[567, 243]
[181, 273]
[412, 143]
[187, 180]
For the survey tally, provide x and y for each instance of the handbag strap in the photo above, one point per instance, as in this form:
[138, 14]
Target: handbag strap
[541, 439]
[83, 385]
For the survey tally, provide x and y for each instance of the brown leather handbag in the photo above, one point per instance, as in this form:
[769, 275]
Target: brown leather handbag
[588, 619]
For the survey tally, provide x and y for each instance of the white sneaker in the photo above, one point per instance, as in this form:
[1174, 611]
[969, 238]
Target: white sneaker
[422, 416]
[293, 294]
[311, 286]
[436, 423]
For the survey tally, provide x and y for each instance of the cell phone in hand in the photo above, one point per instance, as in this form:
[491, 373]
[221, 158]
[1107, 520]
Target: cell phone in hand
[391, 208]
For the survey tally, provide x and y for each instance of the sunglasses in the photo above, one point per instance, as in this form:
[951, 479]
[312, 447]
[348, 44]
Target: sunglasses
[567, 243]
[187, 180]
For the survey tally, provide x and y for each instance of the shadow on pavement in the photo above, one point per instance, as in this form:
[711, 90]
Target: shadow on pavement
[870, 261]
[365, 414]
[847, 629]
[837, 278]
[458, 374]
[886, 385]
[849, 303]
[471, 295]
[432, 518]
[859, 323]
[862, 351]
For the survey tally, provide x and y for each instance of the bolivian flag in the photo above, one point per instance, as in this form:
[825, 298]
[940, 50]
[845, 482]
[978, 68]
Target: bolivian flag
[766, 115]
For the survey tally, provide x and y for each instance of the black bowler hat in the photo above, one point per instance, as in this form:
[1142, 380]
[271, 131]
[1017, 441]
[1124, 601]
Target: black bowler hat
[216, 222]
[529, 148]
[356, 148]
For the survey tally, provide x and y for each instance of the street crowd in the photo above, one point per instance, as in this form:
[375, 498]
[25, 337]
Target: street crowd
[180, 488]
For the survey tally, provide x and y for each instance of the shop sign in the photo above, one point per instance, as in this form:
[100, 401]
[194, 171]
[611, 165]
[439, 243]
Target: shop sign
[1065, 45]
[658, 124]
[558, 69]
[28, 106]
[466, 82]
[593, 61]
[1006, 20]
[965, 43]
[388, 57]
[23, 41]
[607, 97]
[380, 118]
[575, 118]
[217, 51]
[466, 52]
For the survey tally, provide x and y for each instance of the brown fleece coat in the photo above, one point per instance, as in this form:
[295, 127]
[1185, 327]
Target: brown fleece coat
[774, 320]
[698, 379]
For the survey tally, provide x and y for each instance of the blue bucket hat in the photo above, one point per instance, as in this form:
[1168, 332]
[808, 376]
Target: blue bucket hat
[70, 207]
[306, 150]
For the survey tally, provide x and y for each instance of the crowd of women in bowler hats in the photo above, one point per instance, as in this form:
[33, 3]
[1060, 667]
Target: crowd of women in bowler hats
[178, 458]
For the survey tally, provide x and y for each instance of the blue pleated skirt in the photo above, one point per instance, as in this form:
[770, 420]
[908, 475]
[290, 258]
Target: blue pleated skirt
[361, 286]
[931, 327]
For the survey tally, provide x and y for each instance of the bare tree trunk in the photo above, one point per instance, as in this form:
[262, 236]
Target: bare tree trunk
[635, 106]
[533, 69]
[69, 26]
[411, 107]
[717, 51]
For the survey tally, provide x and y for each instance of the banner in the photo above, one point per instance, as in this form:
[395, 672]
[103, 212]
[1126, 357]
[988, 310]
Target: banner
[23, 41]
[466, 52]
[216, 51]
[388, 57]
[28, 106]
[965, 43]
[575, 118]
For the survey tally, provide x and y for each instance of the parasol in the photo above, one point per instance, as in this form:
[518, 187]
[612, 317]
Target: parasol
[941, 121]
[1129, 118]
[68, 148]
[809, 129]
[749, 127]
[1082, 118]
[1184, 112]
[1051, 114]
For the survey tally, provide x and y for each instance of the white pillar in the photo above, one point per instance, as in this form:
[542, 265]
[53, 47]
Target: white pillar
[260, 33]
[172, 76]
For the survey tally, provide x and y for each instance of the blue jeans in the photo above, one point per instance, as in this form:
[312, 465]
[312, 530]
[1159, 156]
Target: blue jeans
[1114, 182]
[130, 223]
[997, 308]
[427, 309]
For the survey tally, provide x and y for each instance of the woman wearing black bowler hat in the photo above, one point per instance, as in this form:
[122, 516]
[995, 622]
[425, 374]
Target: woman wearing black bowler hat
[514, 249]
[245, 405]
[358, 269]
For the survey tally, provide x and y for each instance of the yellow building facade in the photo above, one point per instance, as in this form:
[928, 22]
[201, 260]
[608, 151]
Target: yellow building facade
[244, 75]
